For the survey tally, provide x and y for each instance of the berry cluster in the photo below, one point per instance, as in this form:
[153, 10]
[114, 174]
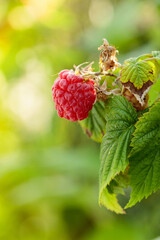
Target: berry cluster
[73, 96]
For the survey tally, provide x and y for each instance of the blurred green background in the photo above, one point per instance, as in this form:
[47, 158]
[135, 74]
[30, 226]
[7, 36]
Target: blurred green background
[48, 167]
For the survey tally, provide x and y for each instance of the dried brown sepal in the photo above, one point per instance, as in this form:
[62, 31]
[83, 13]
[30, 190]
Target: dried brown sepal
[88, 132]
[102, 90]
[108, 60]
[86, 72]
[136, 104]
[101, 96]
[108, 63]
[139, 94]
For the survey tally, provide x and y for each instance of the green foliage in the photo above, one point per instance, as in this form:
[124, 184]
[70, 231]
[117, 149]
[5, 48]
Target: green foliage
[94, 125]
[145, 156]
[109, 200]
[154, 92]
[120, 117]
[147, 129]
[138, 72]
[156, 54]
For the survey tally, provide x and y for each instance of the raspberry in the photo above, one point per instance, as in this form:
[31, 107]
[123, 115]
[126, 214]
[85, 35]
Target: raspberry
[73, 96]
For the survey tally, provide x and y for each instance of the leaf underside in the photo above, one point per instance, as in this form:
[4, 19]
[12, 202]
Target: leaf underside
[120, 117]
[94, 125]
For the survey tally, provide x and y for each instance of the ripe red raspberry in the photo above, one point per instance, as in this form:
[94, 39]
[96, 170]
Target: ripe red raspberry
[73, 96]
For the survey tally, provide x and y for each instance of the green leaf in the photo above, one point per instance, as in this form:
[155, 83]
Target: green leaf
[109, 200]
[145, 157]
[138, 72]
[120, 117]
[144, 56]
[154, 92]
[94, 125]
[147, 129]
[144, 173]
[156, 54]
[118, 184]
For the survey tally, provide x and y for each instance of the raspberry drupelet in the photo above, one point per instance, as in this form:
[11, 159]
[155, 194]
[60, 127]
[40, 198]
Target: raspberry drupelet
[73, 96]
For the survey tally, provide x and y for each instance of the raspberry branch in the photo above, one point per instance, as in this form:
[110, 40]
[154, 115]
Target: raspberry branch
[76, 91]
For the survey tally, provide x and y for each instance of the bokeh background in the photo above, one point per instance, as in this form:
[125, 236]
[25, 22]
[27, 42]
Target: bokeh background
[48, 167]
